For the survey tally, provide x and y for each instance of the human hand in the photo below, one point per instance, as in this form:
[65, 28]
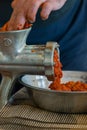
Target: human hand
[26, 10]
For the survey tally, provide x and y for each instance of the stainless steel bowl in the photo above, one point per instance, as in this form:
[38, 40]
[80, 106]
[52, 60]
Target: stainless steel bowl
[56, 101]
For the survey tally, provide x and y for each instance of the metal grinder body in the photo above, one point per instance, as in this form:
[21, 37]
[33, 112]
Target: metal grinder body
[17, 58]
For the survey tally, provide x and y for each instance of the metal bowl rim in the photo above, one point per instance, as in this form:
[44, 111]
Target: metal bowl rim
[49, 90]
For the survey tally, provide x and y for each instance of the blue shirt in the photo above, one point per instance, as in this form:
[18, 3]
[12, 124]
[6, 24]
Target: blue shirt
[67, 26]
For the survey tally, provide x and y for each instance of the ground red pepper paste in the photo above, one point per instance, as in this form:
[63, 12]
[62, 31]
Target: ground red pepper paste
[26, 25]
[69, 86]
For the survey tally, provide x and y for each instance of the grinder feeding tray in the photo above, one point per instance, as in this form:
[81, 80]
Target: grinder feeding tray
[17, 58]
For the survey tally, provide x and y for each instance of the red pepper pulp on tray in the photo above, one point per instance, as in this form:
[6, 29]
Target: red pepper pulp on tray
[27, 25]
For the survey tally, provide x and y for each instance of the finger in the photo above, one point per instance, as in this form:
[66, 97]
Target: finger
[20, 22]
[13, 3]
[16, 22]
[46, 10]
[32, 11]
[16, 3]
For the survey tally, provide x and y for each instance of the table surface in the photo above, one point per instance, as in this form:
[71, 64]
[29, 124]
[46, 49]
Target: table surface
[22, 114]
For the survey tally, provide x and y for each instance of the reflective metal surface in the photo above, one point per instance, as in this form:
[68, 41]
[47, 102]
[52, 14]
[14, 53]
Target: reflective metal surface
[57, 101]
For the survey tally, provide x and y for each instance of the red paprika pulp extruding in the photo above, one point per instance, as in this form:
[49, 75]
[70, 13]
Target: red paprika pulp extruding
[69, 86]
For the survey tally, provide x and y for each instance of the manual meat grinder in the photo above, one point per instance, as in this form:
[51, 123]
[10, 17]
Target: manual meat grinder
[17, 58]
